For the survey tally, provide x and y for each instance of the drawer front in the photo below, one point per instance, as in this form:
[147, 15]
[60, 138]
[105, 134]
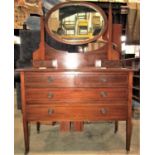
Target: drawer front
[101, 80]
[39, 79]
[75, 95]
[80, 113]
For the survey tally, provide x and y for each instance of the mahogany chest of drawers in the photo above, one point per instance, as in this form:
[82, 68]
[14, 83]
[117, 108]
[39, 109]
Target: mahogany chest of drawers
[76, 95]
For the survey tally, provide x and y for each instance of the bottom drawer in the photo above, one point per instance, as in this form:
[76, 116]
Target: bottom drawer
[78, 113]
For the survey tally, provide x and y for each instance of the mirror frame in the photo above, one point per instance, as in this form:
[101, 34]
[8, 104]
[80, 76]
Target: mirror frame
[87, 4]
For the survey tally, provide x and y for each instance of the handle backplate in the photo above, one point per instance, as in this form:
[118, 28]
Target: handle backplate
[50, 95]
[50, 111]
[50, 79]
[104, 94]
[103, 79]
[104, 111]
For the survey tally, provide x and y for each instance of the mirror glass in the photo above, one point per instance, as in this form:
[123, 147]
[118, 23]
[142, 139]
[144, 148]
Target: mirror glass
[76, 24]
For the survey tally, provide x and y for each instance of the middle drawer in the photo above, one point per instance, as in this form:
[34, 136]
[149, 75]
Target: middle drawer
[75, 95]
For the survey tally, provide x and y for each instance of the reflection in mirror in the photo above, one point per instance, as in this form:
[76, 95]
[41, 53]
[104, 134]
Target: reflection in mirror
[75, 23]
[90, 46]
[83, 48]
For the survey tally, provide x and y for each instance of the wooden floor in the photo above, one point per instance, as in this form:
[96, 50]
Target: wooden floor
[96, 139]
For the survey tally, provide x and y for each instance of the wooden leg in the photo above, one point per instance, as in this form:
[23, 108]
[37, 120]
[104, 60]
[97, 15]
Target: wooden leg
[116, 126]
[26, 136]
[65, 126]
[78, 126]
[128, 134]
[38, 127]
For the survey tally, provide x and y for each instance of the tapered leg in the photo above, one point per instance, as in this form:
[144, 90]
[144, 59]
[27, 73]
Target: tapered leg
[38, 127]
[26, 136]
[116, 126]
[128, 134]
[78, 126]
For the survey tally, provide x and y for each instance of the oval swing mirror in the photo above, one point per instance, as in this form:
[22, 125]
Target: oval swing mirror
[76, 23]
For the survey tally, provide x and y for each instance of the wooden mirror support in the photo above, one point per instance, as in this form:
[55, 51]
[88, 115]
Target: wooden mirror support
[43, 56]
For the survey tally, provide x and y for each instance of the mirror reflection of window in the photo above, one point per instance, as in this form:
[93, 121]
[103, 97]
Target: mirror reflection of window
[54, 22]
[76, 23]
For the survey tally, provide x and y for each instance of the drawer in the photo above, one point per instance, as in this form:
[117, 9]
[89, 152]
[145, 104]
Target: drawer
[75, 95]
[38, 79]
[77, 113]
[101, 80]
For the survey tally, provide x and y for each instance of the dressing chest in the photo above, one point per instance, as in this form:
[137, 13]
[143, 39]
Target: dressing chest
[52, 91]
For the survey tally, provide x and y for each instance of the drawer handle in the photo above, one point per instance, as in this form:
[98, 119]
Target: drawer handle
[50, 95]
[104, 111]
[103, 79]
[50, 111]
[50, 79]
[104, 94]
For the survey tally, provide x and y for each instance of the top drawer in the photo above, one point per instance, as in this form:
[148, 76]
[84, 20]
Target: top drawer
[38, 79]
[102, 80]
[68, 79]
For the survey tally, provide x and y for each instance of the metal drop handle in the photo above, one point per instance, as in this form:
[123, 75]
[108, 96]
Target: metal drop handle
[50, 79]
[103, 79]
[104, 111]
[104, 94]
[50, 111]
[50, 95]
